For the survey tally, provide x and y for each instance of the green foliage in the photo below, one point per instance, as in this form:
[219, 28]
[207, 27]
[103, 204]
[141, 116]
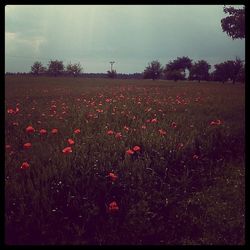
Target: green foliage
[112, 73]
[228, 70]
[199, 71]
[37, 68]
[175, 70]
[234, 24]
[174, 75]
[153, 70]
[55, 67]
[74, 69]
[182, 187]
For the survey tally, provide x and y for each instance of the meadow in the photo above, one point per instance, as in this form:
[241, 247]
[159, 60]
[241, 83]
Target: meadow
[124, 162]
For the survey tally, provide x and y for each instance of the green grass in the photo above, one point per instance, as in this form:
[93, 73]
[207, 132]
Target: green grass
[165, 195]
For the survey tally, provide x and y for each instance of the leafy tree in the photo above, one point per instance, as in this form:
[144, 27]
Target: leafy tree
[199, 71]
[55, 67]
[228, 70]
[112, 73]
[179, 64]
[241, 75]
[37, 68]
[153, 70]
[74, 69]
[234, 24]
[220, 73]
[174, 74]
[234, 68]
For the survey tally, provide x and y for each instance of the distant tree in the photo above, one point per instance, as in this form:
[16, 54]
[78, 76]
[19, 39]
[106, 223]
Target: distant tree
[112, 73]
[74, 69]
[241, 75]
[234, 24]
[220, 73]
[200, 71]
[153, 70]
[173, 74]
[234, 68]
[228, 70]
[37, 68]
[180, 64]
[55, 68]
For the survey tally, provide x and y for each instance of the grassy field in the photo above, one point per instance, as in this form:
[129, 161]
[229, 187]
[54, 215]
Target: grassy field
[182, 184]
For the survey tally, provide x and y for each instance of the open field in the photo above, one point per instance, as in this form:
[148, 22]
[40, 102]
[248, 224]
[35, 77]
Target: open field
[182, 184]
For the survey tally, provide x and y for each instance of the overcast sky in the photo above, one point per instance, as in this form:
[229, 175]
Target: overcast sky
[130, 35]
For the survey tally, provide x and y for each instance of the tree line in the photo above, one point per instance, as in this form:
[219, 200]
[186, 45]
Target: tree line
[55, 68]
[181, 68]
[233, 70]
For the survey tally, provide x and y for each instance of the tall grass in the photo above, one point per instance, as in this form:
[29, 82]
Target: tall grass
[182, 187]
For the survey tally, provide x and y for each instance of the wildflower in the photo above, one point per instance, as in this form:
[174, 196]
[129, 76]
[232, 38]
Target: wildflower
[71, 142]
[112, 176]
[126, 128]
[143, 127]
[30, 129]
[25, 165]
[7, 146]
[136, 148]
[77, 131]
[43, 131]
[195, 157]
[15, 123]
[27, 145]
[110, 132]
[130, 152]
[154, 120]
[113, 207]
[54, 131]
[67, 150]
[173, 125]
[11, 111]
[118, 135]
[216, 122]
[162, 132]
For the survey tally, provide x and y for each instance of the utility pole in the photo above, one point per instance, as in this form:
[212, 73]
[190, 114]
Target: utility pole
[111, 64]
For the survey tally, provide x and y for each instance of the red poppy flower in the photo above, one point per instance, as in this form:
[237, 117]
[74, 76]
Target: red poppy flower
[67, 150]
[180, 145]
[118, 135]
[43, 131]
[126, 128]
[110, 132]
[136, 148]
[162, 132]
[195, 157]
[216, 122]
[54, 131]
[27, 145]
[11, 111]
[25, 165]
[154, 120]
[77, 131]
[30, 129]
[113, 207]
[113, 176]
[71, 142]
[130, 152]
[173, 125]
